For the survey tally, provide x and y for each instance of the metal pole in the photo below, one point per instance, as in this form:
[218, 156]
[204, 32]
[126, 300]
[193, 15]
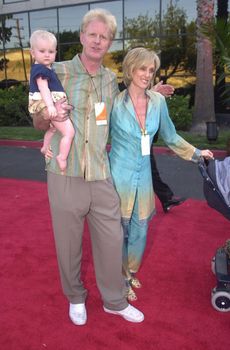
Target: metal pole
[21, 47]
[4, 49]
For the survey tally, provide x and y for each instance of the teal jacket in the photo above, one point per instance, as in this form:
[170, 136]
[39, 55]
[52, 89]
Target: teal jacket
[131, 172]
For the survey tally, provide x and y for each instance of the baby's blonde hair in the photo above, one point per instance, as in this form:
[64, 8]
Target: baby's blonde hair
[135, 59]
[42, 34]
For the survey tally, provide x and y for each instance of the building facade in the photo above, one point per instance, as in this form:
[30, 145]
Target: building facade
[167, 26]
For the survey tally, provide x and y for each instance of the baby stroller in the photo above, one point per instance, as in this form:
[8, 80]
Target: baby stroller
[216, 176]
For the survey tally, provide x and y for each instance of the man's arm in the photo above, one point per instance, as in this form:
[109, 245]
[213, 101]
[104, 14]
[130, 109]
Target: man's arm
[164, 89]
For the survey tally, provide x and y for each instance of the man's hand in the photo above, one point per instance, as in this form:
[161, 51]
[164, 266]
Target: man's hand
[63, 110]
[164, 89]
[42, 120]
[48, 154]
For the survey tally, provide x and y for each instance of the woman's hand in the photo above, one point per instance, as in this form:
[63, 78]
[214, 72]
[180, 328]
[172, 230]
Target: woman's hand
[207, 154]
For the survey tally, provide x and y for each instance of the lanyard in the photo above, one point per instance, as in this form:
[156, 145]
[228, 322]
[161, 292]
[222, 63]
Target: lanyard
[143, 130]
[94, 86]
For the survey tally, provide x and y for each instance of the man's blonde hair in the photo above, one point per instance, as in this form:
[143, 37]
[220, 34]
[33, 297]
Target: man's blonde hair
[101, 15]
[136, 58]
[42, 34]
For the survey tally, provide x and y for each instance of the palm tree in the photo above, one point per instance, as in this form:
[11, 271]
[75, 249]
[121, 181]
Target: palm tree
[204, 110]
[222, 27]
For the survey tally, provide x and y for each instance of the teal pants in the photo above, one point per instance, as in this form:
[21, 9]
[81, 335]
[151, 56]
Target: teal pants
[135, 234]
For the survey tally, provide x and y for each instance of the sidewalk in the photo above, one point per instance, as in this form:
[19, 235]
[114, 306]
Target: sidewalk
[38, 144]
[23, 160]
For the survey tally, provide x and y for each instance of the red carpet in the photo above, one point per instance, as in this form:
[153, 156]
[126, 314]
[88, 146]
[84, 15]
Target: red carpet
[176, 276]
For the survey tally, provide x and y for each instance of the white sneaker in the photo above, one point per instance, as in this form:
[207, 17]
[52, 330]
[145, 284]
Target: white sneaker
[130, 313]
[77, 314]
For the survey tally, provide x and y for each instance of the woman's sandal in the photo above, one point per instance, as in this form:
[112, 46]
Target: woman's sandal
[131, 295]
[134, 282]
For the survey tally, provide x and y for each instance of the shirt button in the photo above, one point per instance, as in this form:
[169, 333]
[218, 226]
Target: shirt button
[86, 141]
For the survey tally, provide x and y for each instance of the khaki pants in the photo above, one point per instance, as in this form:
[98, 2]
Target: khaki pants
[72, 200]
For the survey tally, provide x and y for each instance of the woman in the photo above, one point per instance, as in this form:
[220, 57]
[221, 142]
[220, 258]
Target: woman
[136, 116]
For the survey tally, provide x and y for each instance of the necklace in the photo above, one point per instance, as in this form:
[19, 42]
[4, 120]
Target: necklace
[91, 76]
[99, 98]
[142, 124]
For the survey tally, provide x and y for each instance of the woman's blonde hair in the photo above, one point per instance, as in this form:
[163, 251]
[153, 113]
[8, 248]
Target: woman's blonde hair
[42, 34]
[136, 58]
[101, 15]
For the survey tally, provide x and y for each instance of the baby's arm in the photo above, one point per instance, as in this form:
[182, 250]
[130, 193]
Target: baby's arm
[46, 96]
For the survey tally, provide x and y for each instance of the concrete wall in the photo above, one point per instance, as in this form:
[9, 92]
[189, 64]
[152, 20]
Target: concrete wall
[36, 5]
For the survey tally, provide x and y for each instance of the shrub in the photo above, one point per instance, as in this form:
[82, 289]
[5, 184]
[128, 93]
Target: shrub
[14, 106]
[179, 112]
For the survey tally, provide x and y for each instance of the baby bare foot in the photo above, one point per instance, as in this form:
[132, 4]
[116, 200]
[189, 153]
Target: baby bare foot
[61, 162]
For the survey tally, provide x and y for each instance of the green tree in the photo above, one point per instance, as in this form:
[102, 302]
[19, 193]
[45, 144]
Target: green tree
[226, 92]
[5, 35]
[172, 38]
[69, 45]
[5, 32]
[178, 42]
[219, 34]
[222, 28]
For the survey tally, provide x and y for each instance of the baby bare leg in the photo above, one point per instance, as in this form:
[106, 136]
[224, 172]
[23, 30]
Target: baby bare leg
[47, 139]
[67, 130]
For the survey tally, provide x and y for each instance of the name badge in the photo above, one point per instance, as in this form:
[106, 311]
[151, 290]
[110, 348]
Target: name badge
[145, 145]
[100, 113]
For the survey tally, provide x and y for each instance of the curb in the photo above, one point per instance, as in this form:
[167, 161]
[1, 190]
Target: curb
[21, 143]
[157, 149]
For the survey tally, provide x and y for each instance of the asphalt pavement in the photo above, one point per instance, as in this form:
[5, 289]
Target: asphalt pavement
[24, 162]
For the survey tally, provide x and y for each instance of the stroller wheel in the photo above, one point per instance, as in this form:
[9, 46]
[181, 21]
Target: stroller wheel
[213, 261]
[221, 300]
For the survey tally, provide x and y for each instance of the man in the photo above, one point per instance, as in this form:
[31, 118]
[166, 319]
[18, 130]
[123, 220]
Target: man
[86, 190]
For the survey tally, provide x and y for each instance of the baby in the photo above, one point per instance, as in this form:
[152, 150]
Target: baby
[46, 87]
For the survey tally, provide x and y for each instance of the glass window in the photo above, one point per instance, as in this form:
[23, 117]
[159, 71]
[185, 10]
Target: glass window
[116, 45]
[115, 7]
[3, 73]
[113, 59]
[67, 51]
[141, 21]
[5, 32]
[189, 7]
[148, 42]
[178, 18]
[45, 19]
[11, 1]
[19, 28]
[70, 20]
[134, 8]
[18, 64]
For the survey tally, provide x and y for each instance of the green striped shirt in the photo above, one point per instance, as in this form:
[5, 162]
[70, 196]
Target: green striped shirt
[88, 156]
